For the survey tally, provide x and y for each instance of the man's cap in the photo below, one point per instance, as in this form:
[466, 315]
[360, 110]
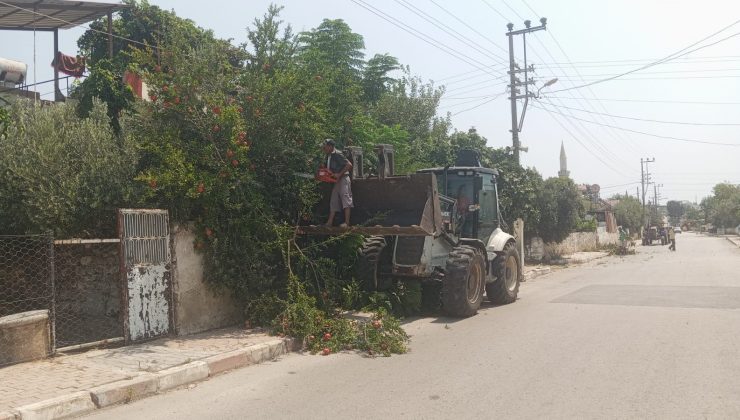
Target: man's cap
[329, 142]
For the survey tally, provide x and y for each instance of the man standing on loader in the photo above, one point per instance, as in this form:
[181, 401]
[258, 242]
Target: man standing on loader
[341, 193]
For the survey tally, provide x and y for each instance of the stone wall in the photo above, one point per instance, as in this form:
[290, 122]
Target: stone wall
[575, 242]
[197, 307]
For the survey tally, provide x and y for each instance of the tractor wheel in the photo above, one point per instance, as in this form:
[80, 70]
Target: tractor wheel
[463, 283]
[368, 263]
[506, 269]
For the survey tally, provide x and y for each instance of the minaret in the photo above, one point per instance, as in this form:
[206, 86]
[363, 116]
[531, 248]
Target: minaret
[564, 173]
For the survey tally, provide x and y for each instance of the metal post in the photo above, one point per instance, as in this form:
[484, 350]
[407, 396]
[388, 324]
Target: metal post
[642, 183]
[110, 34]
[512, 97]
[53, 306]
[58, 97]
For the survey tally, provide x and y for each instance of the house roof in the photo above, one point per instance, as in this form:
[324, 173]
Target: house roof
[47, 15]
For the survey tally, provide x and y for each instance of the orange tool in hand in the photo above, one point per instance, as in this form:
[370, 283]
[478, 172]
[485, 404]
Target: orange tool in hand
[325, 175]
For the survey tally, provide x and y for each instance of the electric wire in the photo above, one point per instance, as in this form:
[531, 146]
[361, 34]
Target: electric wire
[426, 38]
[595, 139]
[583, 129]
[79, 25]
[656, 101]
[585, 147]
[479, 105]
[469, 27]
[670, 57]
[450, 31]
[631, 144]
[681, 139]
[651, 120]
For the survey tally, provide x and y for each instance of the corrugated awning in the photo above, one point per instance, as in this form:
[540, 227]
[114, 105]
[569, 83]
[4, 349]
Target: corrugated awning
[51, 14]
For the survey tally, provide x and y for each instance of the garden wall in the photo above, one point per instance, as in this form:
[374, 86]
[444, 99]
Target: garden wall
[537, 250]
[197, 307]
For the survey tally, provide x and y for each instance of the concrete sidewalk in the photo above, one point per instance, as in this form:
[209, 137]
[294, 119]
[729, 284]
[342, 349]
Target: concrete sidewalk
[69, 385]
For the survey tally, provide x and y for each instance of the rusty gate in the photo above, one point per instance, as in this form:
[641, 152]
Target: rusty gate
[146, 270]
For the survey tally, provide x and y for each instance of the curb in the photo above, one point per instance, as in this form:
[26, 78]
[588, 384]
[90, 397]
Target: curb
[536, 273]
[9, 415]
[732, 241]
[147, 384]
[74, 404]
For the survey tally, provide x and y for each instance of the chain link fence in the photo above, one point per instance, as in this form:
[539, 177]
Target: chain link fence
[87, 291]
[26, 285]
[59, 295]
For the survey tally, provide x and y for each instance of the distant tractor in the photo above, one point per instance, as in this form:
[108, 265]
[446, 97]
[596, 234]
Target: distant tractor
[441, 226]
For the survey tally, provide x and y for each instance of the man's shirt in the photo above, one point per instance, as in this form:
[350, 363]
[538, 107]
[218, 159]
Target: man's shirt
[336, 161]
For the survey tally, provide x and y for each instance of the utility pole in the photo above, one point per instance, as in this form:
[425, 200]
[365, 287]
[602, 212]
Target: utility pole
[514, 82]
[656, 188]
[645, 181]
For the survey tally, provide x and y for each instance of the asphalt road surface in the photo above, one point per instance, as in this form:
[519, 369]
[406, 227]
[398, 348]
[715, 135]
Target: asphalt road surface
[652, 335]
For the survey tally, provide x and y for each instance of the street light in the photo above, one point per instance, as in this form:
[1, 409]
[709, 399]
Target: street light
[547, 84]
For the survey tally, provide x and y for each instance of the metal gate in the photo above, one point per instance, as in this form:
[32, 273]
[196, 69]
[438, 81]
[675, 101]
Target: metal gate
[146, 269]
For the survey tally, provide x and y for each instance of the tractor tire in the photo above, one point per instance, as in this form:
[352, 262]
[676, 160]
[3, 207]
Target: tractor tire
[463, 282]
[368, 263]
[508, 276]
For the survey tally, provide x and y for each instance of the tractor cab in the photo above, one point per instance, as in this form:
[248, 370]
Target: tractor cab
[468, 197]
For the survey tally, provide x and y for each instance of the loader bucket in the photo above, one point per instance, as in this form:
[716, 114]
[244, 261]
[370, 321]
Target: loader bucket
[399, 205]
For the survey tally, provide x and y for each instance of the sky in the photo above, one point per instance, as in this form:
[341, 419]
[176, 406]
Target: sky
[689, 101]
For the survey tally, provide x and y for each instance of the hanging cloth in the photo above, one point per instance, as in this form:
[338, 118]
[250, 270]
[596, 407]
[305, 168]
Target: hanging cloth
[71, 66]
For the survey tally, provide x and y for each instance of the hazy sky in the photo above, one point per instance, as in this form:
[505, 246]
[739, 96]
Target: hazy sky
[600, 38]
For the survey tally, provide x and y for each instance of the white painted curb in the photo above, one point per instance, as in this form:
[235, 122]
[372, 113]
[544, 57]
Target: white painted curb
[69, 405]
[148, 384]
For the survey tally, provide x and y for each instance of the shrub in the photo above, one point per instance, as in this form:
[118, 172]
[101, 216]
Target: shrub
[62, 173]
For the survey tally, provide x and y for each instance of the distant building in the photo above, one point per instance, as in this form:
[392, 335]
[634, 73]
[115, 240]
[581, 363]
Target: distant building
[564, 172]
[599, 209]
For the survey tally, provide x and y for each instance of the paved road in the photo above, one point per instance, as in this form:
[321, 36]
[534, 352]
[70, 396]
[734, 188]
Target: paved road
[654, 335]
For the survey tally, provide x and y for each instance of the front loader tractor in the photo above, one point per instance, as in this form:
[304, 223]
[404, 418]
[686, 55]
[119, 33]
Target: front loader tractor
[441, 226]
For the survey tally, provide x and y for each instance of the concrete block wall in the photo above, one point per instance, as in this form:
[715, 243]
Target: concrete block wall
[197, 307]
[537, 250]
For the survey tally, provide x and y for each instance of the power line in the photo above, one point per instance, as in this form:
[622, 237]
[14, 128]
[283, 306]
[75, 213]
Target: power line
[467, 89]
[479, 105]
[83, 25]
[512, 9]
[466, 97]
[610, 63]
[420, 35]
[665, 72]
[670, 57]
[596, 141]
[612, 133]
[717, 58]
[649, 120]
[445, 28]
[657, 101]
[475, 76]
[642, 132]
[496, 10]
[468, 26]
[567, 78]
[596, 155]
[668, 63]
[469, 101]
[620, 185]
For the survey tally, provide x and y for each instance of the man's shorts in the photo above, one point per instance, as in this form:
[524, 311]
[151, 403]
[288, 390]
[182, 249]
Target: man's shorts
[341, 195]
